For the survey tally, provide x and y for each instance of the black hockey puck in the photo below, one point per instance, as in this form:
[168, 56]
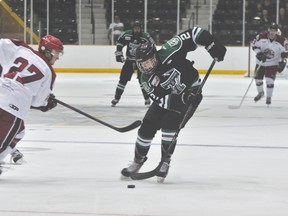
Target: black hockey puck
[130, 186]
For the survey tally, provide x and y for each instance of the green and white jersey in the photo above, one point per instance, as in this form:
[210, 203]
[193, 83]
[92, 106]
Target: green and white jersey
[175, 73]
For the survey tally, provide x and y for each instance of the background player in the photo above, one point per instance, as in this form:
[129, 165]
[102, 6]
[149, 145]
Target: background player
[271, 49]
[170, 80]
[131, 39]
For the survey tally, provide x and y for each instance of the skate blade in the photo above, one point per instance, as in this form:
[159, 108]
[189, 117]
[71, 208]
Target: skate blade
[19, 162]
[160, 180]
[125, 178]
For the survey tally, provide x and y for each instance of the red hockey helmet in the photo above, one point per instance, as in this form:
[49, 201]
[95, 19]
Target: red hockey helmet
[50, 43]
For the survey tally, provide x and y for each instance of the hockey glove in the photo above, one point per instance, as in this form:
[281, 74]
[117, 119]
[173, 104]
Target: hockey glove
[281, 65]
[216, 50]
[284, 55]
[50, 105]
[261, 56]
[119, 56]
[192, 98]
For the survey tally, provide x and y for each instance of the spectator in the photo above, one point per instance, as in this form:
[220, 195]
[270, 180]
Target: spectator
[115, 30]
[283, 19]
[271, 7]
[259, 9]
[265, 19]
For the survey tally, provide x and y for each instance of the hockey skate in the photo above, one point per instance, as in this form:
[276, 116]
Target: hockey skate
[163, 172]
[268, 100]
[0, 169]
[147, 102]
[114, 102]
[134, 167]
[259, 96]
[17, 157]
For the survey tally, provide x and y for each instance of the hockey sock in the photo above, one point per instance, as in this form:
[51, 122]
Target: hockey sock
[167, 138]
[142, 147]
[259, 85]
[269, 86]
[119, 90]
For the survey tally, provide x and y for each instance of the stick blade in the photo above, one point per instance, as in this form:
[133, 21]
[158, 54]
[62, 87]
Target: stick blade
[146, 175]
[234, 107]
[132, 126]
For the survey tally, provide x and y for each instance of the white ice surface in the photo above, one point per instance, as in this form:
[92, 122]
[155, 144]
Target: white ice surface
[228, 162]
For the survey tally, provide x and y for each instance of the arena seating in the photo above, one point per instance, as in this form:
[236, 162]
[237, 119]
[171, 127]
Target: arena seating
[161, 16]
[228, 20]
[62, 18]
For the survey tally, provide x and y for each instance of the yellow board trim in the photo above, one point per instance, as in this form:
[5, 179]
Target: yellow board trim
[117, 70]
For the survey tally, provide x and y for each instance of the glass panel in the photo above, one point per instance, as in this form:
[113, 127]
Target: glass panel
[127, 11]
[161, 19]
[87, 21]
[228, 21]
[11, 24]
[62, 19]
[259, 14]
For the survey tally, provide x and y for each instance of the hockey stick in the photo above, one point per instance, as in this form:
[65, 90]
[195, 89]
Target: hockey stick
[119, 129]
[189, 108]
[238, 106]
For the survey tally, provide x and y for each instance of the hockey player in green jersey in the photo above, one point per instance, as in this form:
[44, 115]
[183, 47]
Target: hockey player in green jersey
[170, 80]
[131, 39]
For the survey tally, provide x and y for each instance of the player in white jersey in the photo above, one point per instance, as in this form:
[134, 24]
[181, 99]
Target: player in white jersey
[27, 79]
[271, 51]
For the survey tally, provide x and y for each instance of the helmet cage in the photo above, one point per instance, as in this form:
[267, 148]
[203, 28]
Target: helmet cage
[148, 66]
[146, 58]
[55, 53]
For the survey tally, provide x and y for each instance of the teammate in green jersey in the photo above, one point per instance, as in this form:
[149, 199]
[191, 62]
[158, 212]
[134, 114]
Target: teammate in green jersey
[131, 39]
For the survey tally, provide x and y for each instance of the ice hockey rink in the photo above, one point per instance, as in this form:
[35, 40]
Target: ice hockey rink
[227, 161]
